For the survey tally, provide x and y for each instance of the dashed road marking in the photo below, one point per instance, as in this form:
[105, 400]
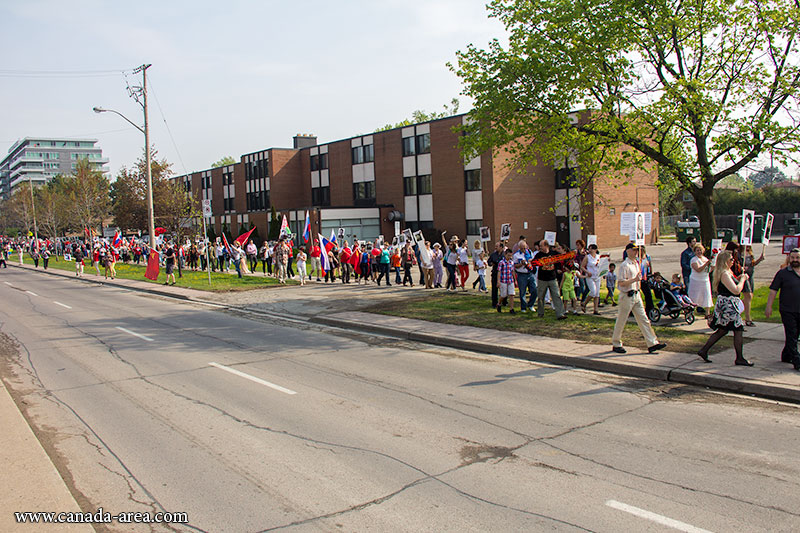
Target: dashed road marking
[62, 305]
[657, 518]
[32, 293]
[252, 378]
[129, 332]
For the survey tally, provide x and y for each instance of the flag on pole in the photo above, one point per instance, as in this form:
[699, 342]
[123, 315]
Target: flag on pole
[241, 239]
[225, 244]
[285, 227]
[326, 264]
[152, 266]
[116, 242]
[333, 235]
[307, 229]
[327, 245]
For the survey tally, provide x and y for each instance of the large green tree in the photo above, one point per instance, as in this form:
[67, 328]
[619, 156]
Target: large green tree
[698, 87]
[88, 193]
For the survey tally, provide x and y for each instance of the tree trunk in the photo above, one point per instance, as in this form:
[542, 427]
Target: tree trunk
[705, 212]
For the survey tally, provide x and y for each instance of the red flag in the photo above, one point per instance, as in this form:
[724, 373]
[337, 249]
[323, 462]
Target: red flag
[355, 260]
[241, 239]
[225, 244]
[152, 266]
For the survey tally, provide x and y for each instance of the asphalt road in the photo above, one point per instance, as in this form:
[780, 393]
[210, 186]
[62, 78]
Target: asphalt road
[245, 424]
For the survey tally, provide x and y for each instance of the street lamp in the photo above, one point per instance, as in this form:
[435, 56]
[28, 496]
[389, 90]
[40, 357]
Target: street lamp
[146, 131]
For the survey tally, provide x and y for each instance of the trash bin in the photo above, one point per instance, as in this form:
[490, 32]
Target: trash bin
[726, 234]
[685, 229]
[791, 226]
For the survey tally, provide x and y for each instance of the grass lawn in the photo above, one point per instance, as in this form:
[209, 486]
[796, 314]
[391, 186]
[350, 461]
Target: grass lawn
[191, 279]
[474, 310]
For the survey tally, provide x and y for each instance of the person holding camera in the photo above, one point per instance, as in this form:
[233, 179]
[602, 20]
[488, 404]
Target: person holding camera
[629, 279]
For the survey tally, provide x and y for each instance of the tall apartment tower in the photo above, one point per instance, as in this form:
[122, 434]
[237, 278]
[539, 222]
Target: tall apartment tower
[39, 159]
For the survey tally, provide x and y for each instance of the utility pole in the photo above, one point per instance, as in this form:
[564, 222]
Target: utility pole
[33, 209]
[150, 217]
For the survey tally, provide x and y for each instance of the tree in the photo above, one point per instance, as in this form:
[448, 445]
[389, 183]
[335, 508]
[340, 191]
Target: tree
[225, 161]
[174, 208]
[88, 194]
[18, 211]
[52, 207]
[698, 87]
[419, 116]
[130, 189]
[768, 176]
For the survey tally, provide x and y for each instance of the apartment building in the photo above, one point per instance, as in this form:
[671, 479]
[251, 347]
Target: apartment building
[416, 176]
[39, 159]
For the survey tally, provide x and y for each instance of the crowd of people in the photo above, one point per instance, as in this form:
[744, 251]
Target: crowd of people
[545, 275]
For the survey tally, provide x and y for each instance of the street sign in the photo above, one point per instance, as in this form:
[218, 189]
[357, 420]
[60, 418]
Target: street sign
[207, 208]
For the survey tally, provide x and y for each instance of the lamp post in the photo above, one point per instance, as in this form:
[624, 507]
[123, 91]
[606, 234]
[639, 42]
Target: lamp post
[146, 131]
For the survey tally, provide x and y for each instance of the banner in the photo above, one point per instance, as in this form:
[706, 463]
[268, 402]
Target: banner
[152, 266]
[767, 229]
[552, 259]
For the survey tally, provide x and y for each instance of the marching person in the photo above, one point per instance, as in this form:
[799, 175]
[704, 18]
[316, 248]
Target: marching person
[629, 278]
[787, 282]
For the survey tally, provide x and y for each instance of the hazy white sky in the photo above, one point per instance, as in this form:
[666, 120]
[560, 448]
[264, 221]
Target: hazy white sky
[228, 77]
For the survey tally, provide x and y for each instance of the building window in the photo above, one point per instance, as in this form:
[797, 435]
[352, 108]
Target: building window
[410, 186]
[424, 185]
[472, 180]
[228, 204]
[364, 193]
[321, 196]
[314, 162]
[408, 146]
[358, 156]
[474, 227]
[323, 161]
[424, 143]
[416, 226]
[564, 178]
[258, 201]
[369, 153]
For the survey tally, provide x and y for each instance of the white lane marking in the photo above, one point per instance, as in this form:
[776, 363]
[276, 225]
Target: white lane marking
[134, 334]
[7, 283]
[252, 378]
[657, 518]
[32, 293]
[62, 305]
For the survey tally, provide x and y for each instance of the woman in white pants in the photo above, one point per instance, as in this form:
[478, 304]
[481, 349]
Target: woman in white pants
[590, 266]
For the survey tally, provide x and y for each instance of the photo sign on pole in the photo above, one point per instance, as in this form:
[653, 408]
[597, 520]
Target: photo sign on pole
[628, 222]
[746, 233]
[486, 235]
[767, 229]
[550, 237]
[591, 239]
[505, 232]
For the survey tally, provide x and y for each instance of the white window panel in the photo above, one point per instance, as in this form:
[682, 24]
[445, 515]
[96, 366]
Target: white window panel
[426, 207]
[323, 149]
[561, 202]
[367, 139]
[423, 128]
[474, 164]
[466, 120]
[323, 178]
[369, 172]
[474, 205]
[409, 166]
[267, 183]
[232, 191]
[423, 164]
[358, 173]
[355, 142]
[247, 186]
[246, 218]
[411, 208]
[315, 150]
[315, 179]
[408, 132]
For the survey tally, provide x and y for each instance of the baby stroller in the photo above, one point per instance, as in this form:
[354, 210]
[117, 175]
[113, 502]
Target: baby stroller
[668, 304]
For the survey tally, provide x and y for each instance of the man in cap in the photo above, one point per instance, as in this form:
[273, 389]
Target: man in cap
[629, 278]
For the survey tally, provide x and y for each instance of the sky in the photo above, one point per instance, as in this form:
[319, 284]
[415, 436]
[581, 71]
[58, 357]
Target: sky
[228, 78]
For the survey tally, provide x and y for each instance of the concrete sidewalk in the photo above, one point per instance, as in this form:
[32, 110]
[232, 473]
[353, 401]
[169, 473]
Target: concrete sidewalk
[769, 377]
[31, 481]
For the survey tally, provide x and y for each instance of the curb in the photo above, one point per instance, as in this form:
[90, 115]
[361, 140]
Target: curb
[668, 374]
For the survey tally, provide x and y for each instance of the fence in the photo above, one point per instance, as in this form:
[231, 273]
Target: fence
[667, 223]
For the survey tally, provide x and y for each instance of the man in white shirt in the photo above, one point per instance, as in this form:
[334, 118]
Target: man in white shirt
[629, 278]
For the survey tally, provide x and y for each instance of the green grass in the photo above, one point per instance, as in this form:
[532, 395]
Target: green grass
[220, 282]
[474, 310]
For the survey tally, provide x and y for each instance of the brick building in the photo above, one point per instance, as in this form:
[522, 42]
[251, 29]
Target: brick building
[416, 175]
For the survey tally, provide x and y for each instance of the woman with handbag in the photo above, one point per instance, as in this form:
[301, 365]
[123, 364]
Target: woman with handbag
[727, 312]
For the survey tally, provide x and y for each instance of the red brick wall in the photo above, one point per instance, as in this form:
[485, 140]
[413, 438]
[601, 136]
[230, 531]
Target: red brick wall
[340, 173]
[290, 183]
[526, 195]
[388, 147]
[447, 177]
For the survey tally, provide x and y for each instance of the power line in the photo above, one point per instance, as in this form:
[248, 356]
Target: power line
[12, 73]
[174, 145]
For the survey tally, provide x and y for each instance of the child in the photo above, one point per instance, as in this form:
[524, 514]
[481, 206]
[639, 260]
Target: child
[567, 288]
[611, 283]
[679, 290]
[480, 268]
[506, 278]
